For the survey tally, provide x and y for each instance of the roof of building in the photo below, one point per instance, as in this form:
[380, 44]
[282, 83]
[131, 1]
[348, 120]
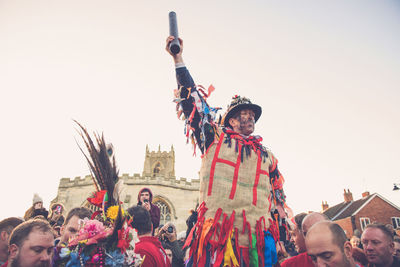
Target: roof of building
[347, 209]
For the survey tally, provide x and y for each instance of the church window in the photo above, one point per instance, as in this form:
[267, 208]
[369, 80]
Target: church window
[157, 169]
[165, 211]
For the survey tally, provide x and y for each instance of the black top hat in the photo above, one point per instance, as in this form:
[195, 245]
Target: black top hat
[239, 103]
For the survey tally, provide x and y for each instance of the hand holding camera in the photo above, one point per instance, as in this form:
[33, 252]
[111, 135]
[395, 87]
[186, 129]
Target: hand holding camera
[169, 232]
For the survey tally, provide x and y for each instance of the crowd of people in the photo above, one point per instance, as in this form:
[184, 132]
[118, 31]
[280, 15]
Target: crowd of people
[242, 218]
[38, 239]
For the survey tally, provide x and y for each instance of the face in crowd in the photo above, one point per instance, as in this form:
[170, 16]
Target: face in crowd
[169, 254]
[378, 246]
[355, 241]
[38, 205]
[35, 251]
[396, 252]
[243, 122]
[327, 246]
[69, 230]
[298, 240]
[144, 195]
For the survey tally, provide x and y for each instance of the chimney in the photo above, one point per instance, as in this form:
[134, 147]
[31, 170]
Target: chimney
[325, 206]
[348, 196]
[365, 194]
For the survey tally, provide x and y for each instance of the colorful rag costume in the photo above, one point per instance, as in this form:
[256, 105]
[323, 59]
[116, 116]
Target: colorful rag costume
[242, 201]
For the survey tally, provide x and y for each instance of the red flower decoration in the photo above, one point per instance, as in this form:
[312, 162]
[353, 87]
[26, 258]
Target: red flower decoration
[97, 198]
[123, 239]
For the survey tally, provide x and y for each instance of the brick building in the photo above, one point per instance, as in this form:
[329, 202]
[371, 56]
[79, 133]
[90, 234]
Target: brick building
[356, 214]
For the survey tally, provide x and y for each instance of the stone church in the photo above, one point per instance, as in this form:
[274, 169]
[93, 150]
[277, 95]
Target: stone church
[174, 197]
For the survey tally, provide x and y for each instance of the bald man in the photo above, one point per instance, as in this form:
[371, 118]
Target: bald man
[327, 246]
[303, 259]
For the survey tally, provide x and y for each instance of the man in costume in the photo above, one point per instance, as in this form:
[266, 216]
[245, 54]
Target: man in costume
[242, 200]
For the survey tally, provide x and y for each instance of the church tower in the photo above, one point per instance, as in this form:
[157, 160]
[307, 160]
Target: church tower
[160, 163]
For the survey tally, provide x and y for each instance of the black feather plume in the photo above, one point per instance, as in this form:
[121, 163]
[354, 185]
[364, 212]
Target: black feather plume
[101, 163]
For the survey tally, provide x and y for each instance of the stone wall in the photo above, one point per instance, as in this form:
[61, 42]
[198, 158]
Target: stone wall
[180, 195]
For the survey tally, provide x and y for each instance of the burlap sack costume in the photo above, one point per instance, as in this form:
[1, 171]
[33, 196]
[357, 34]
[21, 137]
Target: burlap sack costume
[240, 185]
[232, 185]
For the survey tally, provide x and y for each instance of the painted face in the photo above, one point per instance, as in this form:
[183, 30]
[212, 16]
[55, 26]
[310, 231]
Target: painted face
[144, 195]
[69, 230]
[377, 246]
[324, 252]
[244, 123]
[36, 250]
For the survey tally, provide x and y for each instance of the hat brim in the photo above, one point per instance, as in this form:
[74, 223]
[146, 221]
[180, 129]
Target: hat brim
[255, 108]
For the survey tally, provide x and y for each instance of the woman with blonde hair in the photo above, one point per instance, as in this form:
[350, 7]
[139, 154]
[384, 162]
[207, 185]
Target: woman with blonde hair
[37, 209]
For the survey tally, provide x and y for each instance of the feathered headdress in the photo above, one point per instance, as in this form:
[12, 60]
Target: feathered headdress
[107, 240]
[104, 170]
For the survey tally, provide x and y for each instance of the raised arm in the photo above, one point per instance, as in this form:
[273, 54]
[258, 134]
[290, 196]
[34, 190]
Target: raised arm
[192, 103]
[185, 81]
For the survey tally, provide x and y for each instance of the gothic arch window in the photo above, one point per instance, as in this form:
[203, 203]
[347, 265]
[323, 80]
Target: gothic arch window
[156, 169]
[165, 211]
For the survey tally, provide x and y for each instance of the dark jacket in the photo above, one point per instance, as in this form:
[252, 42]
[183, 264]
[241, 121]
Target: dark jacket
[154, 210]
[178, 253]
[395, 263]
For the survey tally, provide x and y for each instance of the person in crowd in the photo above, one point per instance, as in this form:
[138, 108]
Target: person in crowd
[191, 220]
[37, 209]
[378, 246]
[169, 240]
[6, 227]
[169, 255]
[396, 243]
[297, 235]
[31, 245]
[181, 237]
[56, 217]
[391, 229]
[68, 230]
[145, 199]
[327, 245]
[148, 246]
[355, 241]
[303, 259]
[158, 229]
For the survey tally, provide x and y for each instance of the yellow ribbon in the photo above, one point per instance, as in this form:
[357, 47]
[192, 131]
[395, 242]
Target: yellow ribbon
[229, 255]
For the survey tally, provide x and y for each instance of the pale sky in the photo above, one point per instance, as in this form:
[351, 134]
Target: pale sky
[326, 74]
